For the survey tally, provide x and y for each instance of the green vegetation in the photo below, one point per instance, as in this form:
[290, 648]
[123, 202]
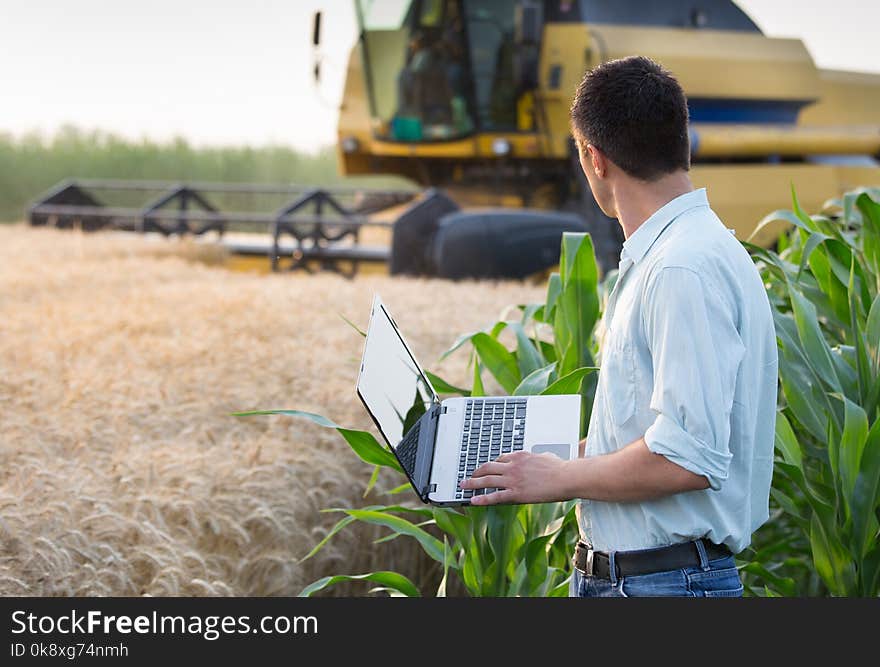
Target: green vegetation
[824, 284]
[822, 536]
[32, 164]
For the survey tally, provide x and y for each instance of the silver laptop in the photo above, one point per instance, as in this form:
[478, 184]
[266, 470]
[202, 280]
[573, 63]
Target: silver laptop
[439, 443]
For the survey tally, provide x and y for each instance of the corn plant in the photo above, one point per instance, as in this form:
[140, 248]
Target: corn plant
[824, 285]
[498, 550]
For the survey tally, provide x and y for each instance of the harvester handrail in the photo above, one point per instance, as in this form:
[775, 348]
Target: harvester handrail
[204, 216]
[209, 186]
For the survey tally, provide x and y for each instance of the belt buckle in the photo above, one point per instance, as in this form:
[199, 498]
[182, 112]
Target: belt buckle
[588, 565]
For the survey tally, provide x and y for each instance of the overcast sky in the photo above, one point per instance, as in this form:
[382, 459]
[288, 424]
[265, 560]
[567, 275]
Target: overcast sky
[239, 71]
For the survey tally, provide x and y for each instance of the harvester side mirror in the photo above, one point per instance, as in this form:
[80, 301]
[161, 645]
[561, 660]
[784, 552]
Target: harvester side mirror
[316, 29]
[529, 19]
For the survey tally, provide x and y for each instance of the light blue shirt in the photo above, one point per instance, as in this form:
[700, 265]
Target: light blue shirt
[688, 360]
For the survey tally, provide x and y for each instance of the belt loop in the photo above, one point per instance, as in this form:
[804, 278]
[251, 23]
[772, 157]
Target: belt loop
[704, 557]
[612, 567]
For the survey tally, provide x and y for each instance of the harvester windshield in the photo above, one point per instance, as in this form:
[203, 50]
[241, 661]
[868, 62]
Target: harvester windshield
[438, 69]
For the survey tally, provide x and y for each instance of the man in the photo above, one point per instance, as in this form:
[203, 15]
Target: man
[675, 470]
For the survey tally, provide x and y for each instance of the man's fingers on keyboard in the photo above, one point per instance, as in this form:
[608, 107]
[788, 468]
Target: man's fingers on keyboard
[484, 482]
[498, 497]
[490, 468]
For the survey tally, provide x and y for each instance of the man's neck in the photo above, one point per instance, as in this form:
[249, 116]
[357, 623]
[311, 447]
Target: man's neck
[636, 201]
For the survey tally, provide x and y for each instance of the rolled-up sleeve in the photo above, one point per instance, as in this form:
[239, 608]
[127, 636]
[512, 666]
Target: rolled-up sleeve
[696, 352]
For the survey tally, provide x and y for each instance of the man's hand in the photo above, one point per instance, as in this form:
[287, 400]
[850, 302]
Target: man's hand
[520, 477]
[631, 474]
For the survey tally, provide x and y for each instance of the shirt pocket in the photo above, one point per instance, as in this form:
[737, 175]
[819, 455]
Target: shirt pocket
[619, 378]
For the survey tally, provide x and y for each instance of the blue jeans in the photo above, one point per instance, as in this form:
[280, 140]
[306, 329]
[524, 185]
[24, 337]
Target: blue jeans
[711, 579]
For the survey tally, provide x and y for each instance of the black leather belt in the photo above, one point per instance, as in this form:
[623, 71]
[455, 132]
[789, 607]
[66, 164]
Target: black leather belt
[631, 563]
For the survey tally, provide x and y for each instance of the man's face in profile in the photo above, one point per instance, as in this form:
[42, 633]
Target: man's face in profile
[599, 186]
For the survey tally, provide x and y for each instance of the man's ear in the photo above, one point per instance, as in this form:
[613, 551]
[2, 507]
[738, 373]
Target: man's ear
[598, 161]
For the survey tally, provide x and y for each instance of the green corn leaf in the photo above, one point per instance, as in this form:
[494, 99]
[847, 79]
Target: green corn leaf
[870, 211]
[560, 590]
[495, 357]
[832, 439]
[447, 557]
[477, 389]
[860, 350]
[472, 567]
[840, 258]
[497, 328]
[812, 242]
[872, 334]
[784, 585]
[532, 311]
[505, 538]
[391, 580]
[441, 386]
[554, 287]
[363, 443]
[571, 382]
[353, 325]
[536, 382]
[373, 479]
[779, 268]
[870, 573]
[518, 585]
[805, 408]
[405, 509]
[430, 544]
[454, 523]
[536, 564]
[782, 243]
[852, 444]
[786, 442]
[784, 216]
[816, 500]
[548, 350]
[833, 206]
[832, 561]
[342, 523]
[845, 362]
[461, 340]
[866, 494]
[807, 221]
[789, 507]
[577, 307]
[528, 357]
[816, 349]
[805, 395]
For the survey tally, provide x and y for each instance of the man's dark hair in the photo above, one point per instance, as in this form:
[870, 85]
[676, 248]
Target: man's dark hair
[635, 112]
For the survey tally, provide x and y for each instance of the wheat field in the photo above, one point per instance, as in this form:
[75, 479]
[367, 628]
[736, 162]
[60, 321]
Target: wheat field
[122, 472]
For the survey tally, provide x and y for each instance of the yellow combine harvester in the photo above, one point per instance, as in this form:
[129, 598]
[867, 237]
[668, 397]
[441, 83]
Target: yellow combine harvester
[470, 99]
[472, 96]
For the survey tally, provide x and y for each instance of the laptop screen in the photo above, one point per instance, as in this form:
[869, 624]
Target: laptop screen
[390, 382]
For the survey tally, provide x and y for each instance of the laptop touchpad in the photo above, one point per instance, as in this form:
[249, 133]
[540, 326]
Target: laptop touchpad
[559, 450]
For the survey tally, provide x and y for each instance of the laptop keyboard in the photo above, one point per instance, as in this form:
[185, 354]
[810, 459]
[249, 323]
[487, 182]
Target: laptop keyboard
[406, 450]
[492, 427]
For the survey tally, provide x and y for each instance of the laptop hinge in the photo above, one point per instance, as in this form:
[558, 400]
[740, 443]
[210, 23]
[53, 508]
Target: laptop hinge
[425, 459]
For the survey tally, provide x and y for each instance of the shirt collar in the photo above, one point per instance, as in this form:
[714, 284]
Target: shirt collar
[637, 245]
